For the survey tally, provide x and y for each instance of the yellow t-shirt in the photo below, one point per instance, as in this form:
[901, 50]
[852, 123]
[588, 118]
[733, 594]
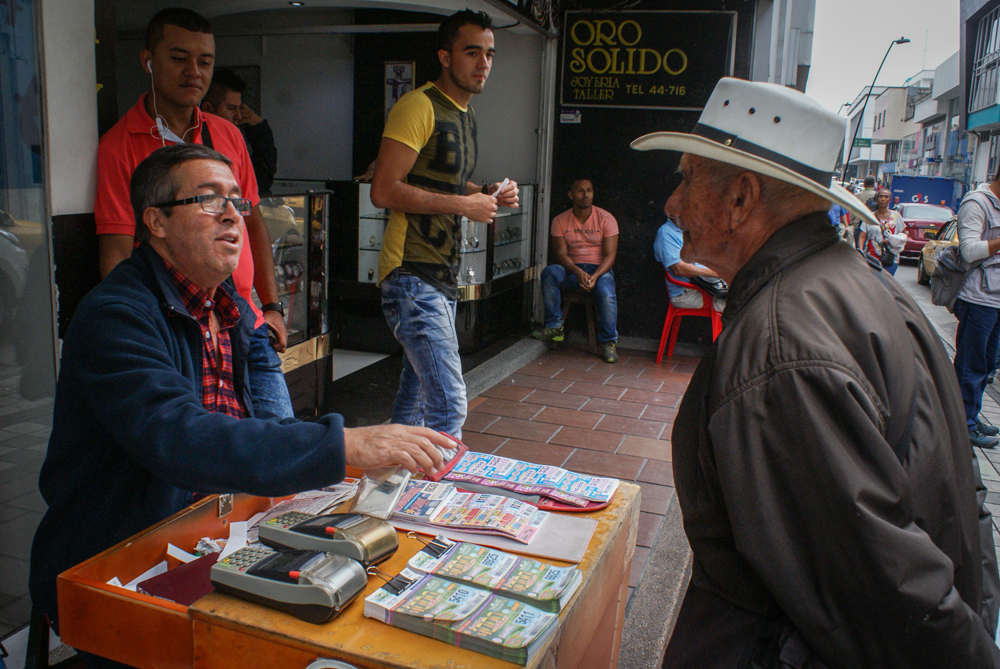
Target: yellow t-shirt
[443, 133]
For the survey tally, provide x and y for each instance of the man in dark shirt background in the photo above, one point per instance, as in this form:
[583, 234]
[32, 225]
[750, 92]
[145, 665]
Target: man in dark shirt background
[225, 99]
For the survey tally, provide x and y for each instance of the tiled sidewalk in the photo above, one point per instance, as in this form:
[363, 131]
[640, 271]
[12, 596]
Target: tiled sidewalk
[568, 408]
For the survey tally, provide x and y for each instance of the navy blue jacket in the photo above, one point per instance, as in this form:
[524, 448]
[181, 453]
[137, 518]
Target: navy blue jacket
[131, 441]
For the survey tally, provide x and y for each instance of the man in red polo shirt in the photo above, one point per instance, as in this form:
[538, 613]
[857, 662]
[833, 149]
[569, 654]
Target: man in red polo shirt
[179, 59]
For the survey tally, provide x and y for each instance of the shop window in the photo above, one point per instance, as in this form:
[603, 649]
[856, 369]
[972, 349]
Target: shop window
[983, 89]
[27, 349]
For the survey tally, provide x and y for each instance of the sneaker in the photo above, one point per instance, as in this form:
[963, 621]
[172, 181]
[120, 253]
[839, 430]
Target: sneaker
[988, 430]
[979, 439]
[549, 334]
[608, 352]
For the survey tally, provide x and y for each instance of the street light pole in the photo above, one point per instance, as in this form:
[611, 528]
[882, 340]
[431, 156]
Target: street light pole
[850, 149]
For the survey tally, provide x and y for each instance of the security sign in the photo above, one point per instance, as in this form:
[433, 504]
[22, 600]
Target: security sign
[647, 60]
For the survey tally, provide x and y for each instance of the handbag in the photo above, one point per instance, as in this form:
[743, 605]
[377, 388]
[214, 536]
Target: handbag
[887, 258]
[949, 277]
[711, 285]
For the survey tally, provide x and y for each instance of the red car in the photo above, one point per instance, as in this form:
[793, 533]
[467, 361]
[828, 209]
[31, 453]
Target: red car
[921, 218]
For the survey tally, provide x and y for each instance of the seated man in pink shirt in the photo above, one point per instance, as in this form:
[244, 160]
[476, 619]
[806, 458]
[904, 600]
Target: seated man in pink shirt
[584, 241]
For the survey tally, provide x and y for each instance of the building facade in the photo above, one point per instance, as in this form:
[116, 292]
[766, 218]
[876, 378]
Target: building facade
[979, 63]
[891, 126]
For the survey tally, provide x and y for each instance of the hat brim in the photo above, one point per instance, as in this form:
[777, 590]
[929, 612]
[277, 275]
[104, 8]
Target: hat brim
[706, 148]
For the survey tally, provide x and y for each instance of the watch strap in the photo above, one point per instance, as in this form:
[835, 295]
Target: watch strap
[274, 306]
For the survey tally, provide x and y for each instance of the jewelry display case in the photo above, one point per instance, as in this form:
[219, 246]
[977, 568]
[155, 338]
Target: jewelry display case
[297, 221]
[494, 274]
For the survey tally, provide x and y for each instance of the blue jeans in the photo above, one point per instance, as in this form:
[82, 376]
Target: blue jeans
[431, 387]
[556, 279]
[975, 351]
[267, 382]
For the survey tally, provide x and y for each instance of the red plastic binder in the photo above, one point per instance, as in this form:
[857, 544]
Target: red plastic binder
[448, 466]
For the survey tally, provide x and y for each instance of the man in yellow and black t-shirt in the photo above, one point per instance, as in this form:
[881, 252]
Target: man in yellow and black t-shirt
[422, 173]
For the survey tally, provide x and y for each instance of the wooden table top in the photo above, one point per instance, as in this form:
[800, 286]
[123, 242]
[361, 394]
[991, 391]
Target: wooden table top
[352, 637]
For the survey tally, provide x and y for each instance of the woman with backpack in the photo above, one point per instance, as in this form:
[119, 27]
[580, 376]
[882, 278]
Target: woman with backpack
[886, 240]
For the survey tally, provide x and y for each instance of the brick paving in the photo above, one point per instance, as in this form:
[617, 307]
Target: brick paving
[570, 409]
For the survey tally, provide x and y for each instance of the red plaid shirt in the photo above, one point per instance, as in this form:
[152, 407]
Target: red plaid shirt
[217, 391]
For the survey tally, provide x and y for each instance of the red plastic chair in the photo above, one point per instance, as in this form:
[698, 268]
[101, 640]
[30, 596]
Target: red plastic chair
[672, 324]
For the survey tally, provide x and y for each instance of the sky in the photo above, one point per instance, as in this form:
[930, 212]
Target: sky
[851, 37]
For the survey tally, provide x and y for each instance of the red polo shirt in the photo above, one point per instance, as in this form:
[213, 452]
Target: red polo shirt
[131, 140]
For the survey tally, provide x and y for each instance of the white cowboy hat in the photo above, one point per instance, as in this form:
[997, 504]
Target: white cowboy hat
[769, 129]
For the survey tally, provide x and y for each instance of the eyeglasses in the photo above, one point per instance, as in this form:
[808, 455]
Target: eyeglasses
[212, 204]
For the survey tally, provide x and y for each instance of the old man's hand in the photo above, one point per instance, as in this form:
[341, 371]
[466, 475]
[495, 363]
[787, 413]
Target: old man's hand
[390, 445]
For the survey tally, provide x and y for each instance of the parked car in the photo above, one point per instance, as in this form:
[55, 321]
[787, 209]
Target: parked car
[935, 241]
[919, 219]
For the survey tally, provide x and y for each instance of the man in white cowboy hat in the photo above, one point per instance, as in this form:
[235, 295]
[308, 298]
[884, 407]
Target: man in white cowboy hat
[820, 454]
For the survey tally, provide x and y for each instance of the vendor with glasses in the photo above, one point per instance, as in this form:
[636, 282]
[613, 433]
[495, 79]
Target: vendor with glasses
[153, 403]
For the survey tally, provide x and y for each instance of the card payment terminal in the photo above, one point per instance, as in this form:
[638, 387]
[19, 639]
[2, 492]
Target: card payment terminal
[363, 538]
[311, 585]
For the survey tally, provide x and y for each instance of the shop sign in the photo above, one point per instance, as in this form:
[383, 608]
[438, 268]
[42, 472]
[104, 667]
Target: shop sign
[645, 60]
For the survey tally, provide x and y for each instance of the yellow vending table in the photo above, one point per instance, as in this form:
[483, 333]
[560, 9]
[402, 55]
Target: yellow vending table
[219, 630]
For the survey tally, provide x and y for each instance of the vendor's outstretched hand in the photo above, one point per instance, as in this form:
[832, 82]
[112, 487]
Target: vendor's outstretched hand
[389, 445]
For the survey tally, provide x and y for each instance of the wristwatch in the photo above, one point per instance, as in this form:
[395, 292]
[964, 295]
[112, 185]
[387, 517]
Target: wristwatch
[274, 306]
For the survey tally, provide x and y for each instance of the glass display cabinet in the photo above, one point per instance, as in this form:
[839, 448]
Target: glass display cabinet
[297, 223]
[492, 251]
[494, 272]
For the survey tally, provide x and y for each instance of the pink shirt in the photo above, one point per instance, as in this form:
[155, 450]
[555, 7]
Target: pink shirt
[584, 241]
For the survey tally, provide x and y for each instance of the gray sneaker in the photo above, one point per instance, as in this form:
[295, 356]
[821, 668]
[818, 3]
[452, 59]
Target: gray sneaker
[988, 430]
[549, 334]
[979, 439]
[608, 352]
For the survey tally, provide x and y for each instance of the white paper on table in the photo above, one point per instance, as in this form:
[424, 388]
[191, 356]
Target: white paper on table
[237, 538]
[312, 501]
[256, 518]
[150, 573]
[560, 537]
[180, 554]
[252, 533]
[115, 582]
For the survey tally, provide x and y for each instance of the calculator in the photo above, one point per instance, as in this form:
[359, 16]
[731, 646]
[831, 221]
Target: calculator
[363, 538]
[310, 585]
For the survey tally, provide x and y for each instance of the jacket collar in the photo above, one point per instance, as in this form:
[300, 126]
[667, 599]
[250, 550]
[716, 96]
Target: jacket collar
[785, 247]
[150, 261]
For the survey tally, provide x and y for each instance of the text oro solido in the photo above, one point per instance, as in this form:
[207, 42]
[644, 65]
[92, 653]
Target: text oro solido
[605, 47]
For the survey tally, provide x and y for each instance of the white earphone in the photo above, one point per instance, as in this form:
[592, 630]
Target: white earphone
[161, 126]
